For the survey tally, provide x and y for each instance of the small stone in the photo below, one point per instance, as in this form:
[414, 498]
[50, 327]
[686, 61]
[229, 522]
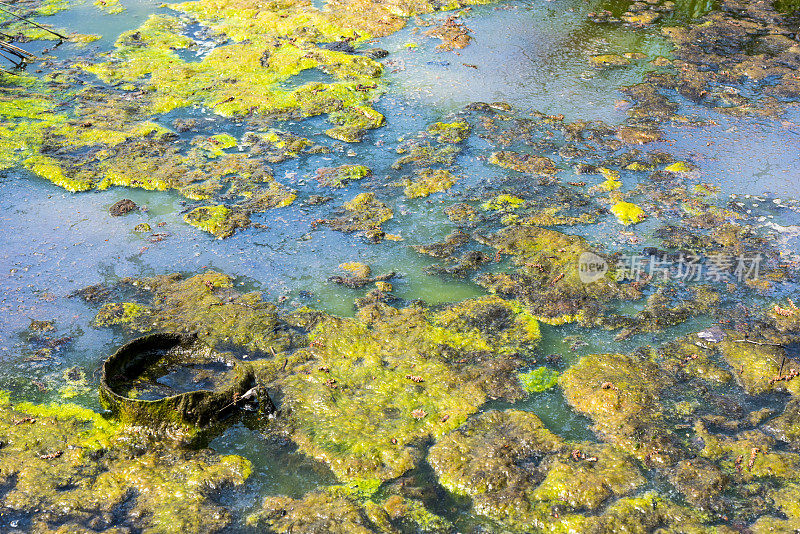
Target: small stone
[142, 227]
[713, 334]
[376, 53]
[122, 207]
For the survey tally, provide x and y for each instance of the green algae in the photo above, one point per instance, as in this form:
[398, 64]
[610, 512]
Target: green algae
[362, 213]
[362, 415]
[757, 365]
[619, 393]
[424, 155]
[538, 380]
[369, 391]
[265, 63]
[217, 220]
[50, 169]
[628, 213]
[341, 175]
[97, 145]
[606, 61]
[450, 132]
[69, 467]
[207, 305]
[504, 325]
[430, 181]
[527, 163]
[503, 202]
[445, 248]
[517, 472]
[352, 123]
[547, 279]
[112, 7]
[461, 213]
[122, 313]
[337, 511]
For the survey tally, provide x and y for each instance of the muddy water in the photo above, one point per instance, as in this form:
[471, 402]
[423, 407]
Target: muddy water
[534, 56]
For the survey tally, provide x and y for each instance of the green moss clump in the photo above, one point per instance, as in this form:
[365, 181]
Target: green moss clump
[368, 396]
[335, 510]
[450, 132]
[51, 170]
[363, 212]
[755, 366]
[538, 380]
[423, 155]
[620, 394]
[628, 213]
[679, 167]
[461, 213]
[66, 466]
[430, 181]
[612, 182]
[341, 175]
[370, 391]
[516, 472]
[547, 278]
[504, 325]
[217, 220]
[526, 163]
[124, 313]
[353, 123]
[207, 304]
[503, 202]
[321, 512]
[549, 216]
[445, 248]
[216, 145]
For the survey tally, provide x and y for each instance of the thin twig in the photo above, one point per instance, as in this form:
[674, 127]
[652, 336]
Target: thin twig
[30, 21]
[758, 343]
[11, 60]
[17, 51]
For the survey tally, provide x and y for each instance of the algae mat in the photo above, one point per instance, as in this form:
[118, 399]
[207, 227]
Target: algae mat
[511, 267]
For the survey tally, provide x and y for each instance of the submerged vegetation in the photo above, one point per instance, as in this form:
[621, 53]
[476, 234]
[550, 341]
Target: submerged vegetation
[421, 417]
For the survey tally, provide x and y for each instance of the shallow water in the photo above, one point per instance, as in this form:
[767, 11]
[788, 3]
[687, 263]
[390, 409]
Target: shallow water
[534, 56]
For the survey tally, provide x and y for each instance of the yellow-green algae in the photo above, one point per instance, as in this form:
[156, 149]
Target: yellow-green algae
[205, 304]
[268, 45]
[527, 163]
[266, 51]
[538, 380]
[428, 182]
[369, 391]
[450, 132]
[546, 280]
[120, 314]
[628, 213]
[503, 202]
[217, 220]
[97, 146]
[340, 510]
[341, 175]
[362, 213]
[517, 472]
[69, 468]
